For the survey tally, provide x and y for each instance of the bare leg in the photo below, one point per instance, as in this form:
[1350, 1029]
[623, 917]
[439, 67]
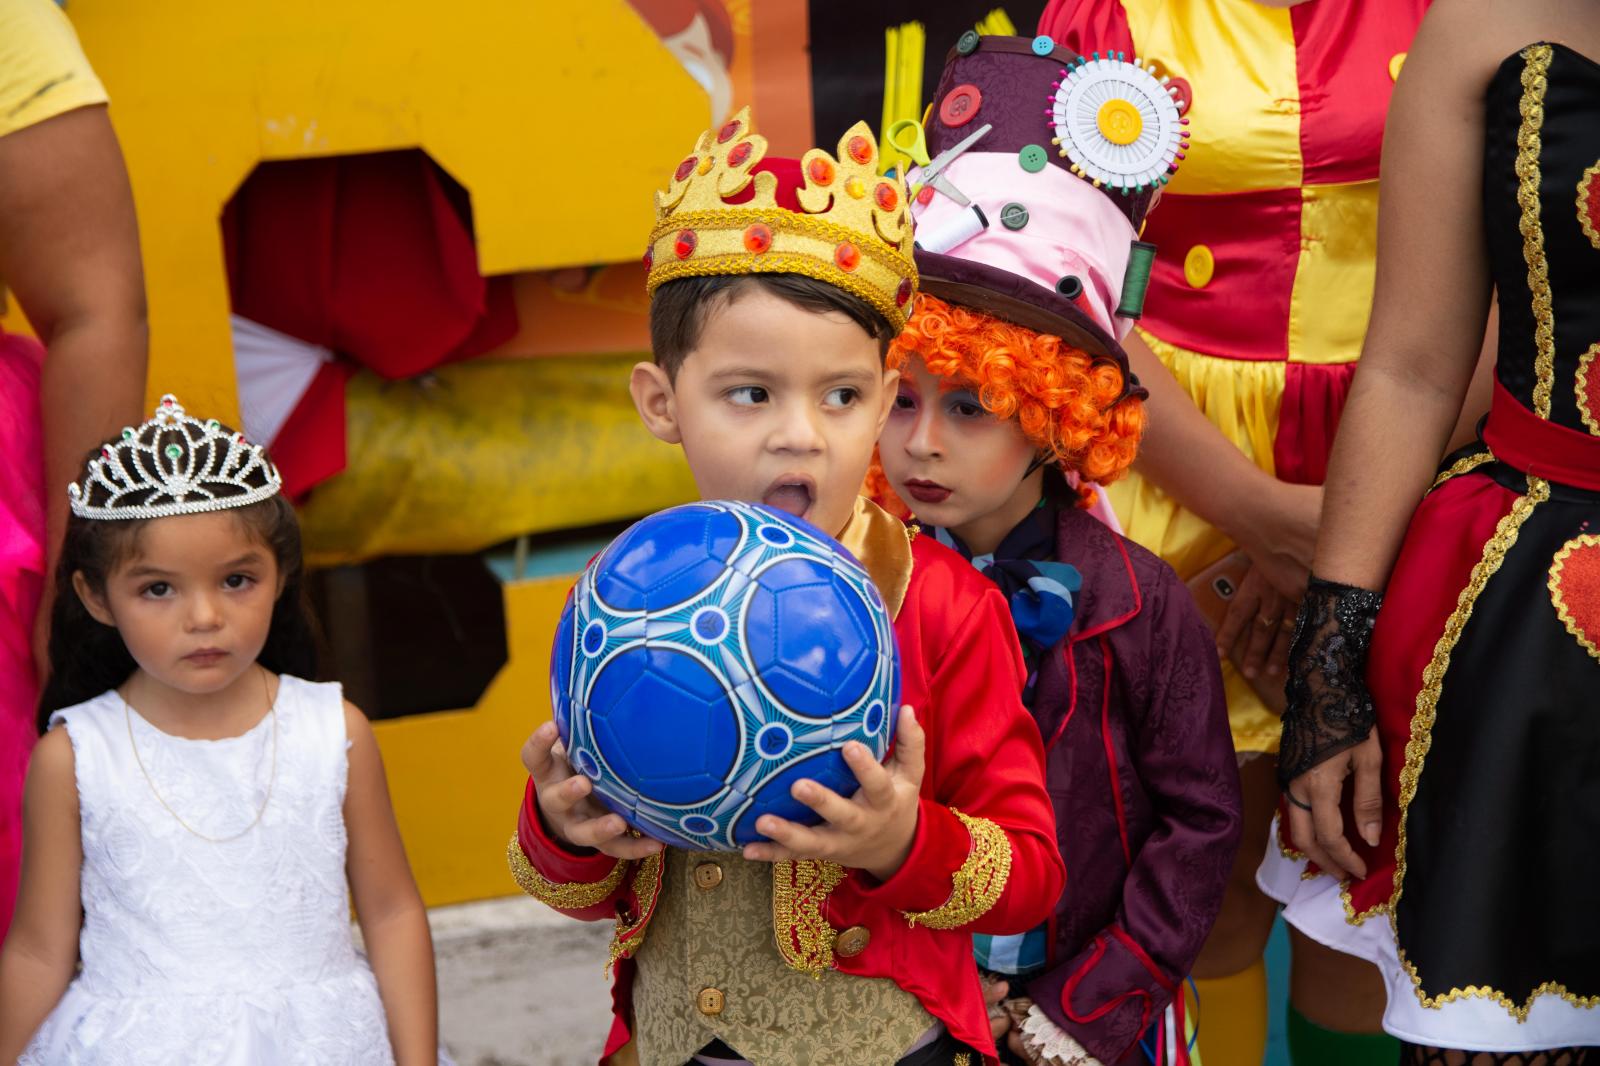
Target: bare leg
[1315, 969]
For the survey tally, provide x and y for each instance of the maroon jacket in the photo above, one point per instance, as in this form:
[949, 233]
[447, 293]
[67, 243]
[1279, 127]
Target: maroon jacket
[1140, 767]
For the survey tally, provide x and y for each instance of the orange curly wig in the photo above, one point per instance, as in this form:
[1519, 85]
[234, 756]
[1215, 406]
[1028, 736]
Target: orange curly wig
[1064, 400]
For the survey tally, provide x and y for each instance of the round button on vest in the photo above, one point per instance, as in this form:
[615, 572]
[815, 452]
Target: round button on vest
[1043, 45]
[710, 1002]
[1199, 266]
[708, 875]
[1013, 215]
[852, 942]
[968, 43]
[1033, 158]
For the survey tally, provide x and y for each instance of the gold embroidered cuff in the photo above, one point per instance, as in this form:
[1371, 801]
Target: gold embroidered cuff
[574, 895]
[978, 883]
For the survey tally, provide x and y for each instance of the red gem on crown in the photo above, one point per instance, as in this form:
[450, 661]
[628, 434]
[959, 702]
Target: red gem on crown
[886, 196]
[820, 171]
[860, 149]
[847, 255]
[903, 294]
[686, 168]
[727, 132]
[739, 153]
[685, 245]
[757, 238]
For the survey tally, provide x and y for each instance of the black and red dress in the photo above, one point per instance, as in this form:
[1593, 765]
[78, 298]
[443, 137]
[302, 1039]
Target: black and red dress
[1481, 905]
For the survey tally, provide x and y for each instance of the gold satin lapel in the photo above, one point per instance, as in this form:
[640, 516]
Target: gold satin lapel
[883, 544]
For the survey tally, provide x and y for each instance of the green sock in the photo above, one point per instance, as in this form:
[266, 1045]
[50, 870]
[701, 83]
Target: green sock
[1312, 1045]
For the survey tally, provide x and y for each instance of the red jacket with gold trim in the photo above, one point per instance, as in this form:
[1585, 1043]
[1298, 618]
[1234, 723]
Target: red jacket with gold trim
[962, 671]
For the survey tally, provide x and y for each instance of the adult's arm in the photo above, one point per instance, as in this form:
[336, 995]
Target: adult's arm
[69, 253]
[1428, 316]
[1430, 306]
[1193, 462]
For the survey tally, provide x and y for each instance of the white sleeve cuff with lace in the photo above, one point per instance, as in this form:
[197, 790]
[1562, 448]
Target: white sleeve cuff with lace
[1050, 1045]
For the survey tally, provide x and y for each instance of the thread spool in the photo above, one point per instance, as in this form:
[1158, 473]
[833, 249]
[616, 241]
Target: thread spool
[1070, 286]
[1136, 282]
[953, 232]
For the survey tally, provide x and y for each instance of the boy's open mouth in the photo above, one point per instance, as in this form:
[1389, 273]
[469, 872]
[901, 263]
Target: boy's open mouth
[791, 493]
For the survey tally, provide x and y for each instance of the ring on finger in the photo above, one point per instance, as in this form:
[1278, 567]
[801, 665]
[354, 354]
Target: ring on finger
[1292, 798]
[1268, 623]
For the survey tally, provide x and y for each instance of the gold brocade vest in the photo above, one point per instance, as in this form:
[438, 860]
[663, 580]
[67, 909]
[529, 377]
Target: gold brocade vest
[710, 968]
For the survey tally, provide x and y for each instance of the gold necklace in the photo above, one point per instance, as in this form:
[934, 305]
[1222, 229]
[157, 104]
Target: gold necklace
[272, 774]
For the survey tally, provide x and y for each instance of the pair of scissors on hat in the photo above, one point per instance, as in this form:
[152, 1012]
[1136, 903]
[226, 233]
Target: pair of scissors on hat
[933, 170]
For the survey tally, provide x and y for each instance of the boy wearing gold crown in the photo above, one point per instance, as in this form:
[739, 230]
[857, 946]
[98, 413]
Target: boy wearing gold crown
[777, 286]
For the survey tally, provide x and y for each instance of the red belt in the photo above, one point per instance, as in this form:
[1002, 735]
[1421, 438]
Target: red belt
[1539, 447]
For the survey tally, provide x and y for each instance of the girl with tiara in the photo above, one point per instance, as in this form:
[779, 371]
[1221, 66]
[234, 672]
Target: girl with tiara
[1015, 401]
[198, 817]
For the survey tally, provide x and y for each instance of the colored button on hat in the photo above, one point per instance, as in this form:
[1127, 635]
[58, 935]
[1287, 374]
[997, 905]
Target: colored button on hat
[852, 942]
[1043, 45]
[960, 105]
[1013, 215]
[967, 43]
[1198, 266]
[1033, 158]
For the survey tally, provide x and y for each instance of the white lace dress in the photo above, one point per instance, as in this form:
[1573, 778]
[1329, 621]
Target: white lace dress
[228, 954]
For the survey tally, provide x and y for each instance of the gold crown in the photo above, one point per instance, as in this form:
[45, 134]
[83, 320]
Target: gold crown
[854, 232]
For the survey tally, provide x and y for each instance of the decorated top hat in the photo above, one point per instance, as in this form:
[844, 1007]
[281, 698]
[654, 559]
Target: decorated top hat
[1076, 152]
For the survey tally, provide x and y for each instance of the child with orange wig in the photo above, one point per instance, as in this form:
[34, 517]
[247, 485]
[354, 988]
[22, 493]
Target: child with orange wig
[1014, 404]
[1063, 401]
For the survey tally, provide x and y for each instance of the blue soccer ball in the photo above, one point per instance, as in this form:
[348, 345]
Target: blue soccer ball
[713, 655]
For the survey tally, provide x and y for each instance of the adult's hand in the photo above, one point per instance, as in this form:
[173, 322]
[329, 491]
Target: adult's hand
[1278, 530]
[1320, 831]
[1256, 631]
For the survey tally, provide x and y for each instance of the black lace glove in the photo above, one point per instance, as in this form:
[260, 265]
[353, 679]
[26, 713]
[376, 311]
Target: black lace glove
[1330, 709]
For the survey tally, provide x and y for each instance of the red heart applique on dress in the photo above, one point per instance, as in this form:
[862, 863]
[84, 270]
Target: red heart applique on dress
[1575, 589]
[1589, 204]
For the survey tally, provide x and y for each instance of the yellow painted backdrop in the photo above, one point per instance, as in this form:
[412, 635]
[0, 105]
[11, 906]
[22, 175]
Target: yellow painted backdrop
[559, 119]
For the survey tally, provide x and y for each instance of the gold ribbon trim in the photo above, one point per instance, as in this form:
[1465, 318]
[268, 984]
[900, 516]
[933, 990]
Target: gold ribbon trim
[573, 895]
[799, 890]
[629, 932]
[979, 882]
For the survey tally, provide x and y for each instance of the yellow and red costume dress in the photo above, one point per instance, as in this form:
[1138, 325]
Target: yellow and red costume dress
[1266, 236]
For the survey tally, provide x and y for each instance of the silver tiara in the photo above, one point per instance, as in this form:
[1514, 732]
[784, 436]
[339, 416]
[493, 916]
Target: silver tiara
[173, 465]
